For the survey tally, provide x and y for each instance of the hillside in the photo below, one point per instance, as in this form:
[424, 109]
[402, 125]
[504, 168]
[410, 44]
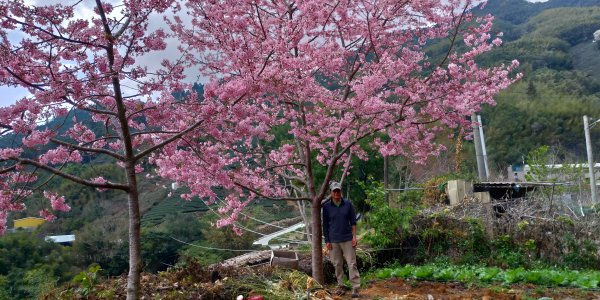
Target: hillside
[561, 67]
[519, 11]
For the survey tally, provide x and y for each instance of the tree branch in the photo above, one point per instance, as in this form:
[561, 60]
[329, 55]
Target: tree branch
[54, 36]
[70, 177]
[123, 28]
[269, 197]
[88, 149]
[347, 167]
[285, 165]
[289, 177]
[167, 141]
[8, 169]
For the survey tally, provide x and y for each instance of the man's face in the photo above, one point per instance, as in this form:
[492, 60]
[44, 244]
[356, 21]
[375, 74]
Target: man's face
[336, 195]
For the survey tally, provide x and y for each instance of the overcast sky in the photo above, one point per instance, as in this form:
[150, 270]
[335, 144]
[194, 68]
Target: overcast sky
[8, 95]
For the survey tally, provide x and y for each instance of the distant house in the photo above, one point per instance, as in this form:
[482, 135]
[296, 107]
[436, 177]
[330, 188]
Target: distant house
[61, 239]
[28, 223]
[518, 173]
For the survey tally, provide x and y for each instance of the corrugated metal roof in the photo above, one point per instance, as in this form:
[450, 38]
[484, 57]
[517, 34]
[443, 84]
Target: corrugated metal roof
[60, 238]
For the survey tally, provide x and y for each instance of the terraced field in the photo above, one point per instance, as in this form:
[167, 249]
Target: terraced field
[172, 205]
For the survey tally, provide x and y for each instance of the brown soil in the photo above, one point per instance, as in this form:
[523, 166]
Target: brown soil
[400, 289]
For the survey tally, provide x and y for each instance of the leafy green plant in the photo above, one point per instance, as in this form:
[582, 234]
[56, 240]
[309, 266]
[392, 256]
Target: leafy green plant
[507, 253]
[488, 274]
[466, 275]
[476, 246]
[522, 225]
[529, 245]
[475, 274]
[403, 272]
[39, 281]
[424, 272]
[445, 274]
[384, 273]
[387, 224]
[514, 275]
[86, 280]
[580, 254]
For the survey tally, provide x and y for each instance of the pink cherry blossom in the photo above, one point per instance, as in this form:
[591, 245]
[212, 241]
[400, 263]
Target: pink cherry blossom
[47, 215]
[57, 202]
[37, 138]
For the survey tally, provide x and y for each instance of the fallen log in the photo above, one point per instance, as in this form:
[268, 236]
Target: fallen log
[248, 259]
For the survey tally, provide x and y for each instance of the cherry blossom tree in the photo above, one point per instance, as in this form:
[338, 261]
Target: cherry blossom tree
[322, 76]
[96, 62]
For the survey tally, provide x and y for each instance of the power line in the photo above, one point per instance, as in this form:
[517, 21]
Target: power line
[297, 251]
[213, 248]
[249, 230]
[260, 221]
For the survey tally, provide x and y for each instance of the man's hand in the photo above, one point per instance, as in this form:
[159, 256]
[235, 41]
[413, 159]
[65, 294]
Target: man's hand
[328, 246]
[354, 241]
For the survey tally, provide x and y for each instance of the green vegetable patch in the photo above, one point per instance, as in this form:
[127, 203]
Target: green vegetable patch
[478, 274]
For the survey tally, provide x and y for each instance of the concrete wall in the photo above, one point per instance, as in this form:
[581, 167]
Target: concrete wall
[458, 190]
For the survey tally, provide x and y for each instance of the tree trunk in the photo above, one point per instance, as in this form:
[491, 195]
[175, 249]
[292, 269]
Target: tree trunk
[305, 219]
[317, 249]
[135, 260]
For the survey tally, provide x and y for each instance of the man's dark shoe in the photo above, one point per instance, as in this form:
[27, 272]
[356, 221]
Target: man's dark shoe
[355, 293]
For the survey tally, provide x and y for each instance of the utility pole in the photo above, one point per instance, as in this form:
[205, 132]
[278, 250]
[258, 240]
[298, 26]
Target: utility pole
[588, 147]
[483, 151]
[478, 151]
[386, 170]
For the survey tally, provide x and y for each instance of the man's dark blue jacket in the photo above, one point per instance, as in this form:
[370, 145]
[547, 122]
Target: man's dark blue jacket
[338, 221]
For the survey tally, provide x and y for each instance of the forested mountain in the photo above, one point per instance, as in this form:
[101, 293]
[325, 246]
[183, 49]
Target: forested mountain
[519, 11]
[553, 41]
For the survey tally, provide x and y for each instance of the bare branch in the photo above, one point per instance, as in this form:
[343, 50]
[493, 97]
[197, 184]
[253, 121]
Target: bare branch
[167, 141]
[266, 62]
[346, 168]
[272, 198]
[123, 28]
[296, 178]
[54, 36]
[73, 178]
[286, 165]
[8, 169]
[88, 149]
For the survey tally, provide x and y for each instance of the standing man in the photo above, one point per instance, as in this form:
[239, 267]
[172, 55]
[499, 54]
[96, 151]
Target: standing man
[339, 229]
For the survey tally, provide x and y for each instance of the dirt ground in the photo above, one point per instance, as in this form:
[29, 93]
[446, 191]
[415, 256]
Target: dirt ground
[400, 289]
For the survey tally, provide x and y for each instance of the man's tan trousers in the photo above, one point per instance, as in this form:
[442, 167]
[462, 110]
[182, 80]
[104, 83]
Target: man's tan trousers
[339, 252]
